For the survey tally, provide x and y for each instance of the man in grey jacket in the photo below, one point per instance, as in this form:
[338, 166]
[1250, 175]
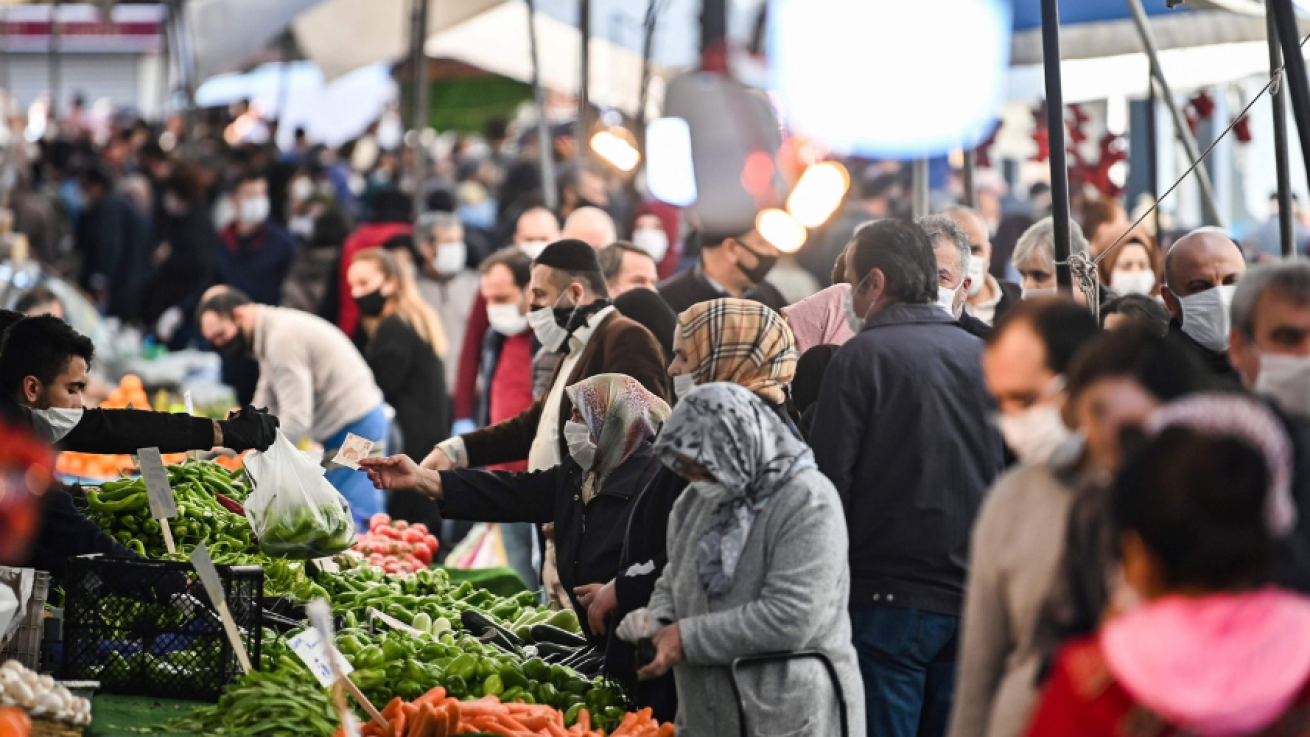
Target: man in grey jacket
[902, 430]
[310, 376]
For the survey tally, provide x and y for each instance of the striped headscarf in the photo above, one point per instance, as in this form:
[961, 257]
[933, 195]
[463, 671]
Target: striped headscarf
[740, 342]
[621, 415]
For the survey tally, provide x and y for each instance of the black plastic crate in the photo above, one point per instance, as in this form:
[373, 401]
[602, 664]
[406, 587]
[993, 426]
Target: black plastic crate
[147, 628]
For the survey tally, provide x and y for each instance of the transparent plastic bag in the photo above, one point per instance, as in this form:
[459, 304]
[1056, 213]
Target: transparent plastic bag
[293, 509]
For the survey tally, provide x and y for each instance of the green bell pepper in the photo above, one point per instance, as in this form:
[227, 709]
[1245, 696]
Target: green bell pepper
[493, 686]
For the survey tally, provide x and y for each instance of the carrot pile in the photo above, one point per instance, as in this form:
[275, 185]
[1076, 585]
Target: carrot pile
[100, 467]
[436, 715]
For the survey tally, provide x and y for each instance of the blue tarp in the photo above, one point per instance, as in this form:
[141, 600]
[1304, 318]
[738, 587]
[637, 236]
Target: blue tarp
[1028, 13]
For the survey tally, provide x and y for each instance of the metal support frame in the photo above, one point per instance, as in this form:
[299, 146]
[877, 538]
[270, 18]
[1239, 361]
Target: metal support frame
[56, 63]
[549, 188]
[1278, 101]
[418, 62]
[970, 182]
[583, 135]
[714, 35]
[1181, 129]
[1153, 155]
[1298, 87]
[922, 191]
[1055, 132]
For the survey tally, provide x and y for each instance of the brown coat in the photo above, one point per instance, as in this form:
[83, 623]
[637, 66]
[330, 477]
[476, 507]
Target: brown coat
[618, 346]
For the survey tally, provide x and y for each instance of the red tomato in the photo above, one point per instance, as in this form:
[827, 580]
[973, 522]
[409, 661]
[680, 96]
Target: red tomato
[420, 527]
[400, 524]
[379, 519]
[433, 545]
[412, 536]
[390, 532]
[423, 555]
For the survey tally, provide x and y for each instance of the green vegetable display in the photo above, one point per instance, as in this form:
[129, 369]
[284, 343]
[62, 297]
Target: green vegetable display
[308, 532]
[278, 703]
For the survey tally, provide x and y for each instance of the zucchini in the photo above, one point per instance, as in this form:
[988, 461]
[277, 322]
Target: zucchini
[552, 653]
[478, 624]
[548, 633]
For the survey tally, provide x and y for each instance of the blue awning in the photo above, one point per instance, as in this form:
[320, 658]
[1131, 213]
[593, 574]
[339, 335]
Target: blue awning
[1028, 13]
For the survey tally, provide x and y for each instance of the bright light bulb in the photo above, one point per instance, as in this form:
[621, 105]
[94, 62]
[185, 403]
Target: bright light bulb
[819, 193]
[615, 150]
[781, 229]
[670, 173]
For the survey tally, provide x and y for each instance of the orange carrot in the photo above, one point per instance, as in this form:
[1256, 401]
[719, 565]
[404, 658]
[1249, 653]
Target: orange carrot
[435, 696]
[666, 730]
[584, 718]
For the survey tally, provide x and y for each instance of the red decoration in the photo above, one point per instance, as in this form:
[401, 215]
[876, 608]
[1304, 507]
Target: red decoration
[1203, 104]
[1242, 129]
[1082, 171]
[983, 151]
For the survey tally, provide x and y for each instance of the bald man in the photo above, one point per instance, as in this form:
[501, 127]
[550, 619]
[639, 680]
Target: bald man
[1201, 273]
[989, 297]
[537, 228]
[591, 225]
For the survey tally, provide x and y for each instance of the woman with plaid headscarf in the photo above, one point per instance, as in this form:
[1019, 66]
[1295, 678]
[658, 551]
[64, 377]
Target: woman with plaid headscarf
[736, 341]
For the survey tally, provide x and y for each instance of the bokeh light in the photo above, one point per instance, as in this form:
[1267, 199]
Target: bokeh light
[781, 229]
[819, 193]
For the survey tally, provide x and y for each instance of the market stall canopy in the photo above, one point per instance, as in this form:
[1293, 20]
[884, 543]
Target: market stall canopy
[332, 112]
[224, 33]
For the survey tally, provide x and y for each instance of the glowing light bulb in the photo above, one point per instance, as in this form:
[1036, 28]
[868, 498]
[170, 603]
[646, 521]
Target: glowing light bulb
[781, 229]
[670, 173]
[616, 150]
[819, 193]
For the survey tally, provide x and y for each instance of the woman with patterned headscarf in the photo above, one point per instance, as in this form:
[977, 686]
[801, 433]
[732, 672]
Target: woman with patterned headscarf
[757, 564]
[588, 496]
[737, 341]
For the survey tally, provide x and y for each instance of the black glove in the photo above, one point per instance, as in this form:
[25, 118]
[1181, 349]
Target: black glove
[249, 428]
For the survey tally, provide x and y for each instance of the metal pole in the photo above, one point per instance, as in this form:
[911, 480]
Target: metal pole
[419, 78]
[921, 190]
[1181, 129]
[970, 169]
[1153, 155]
[1282, 156]
[713, 35]
[583, 135]
[1055, 132]
[1294, 68]
[284, 82]
[55, 61]
[647, 47]
[549, 192]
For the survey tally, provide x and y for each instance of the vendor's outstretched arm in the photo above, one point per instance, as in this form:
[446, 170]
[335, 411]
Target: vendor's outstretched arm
[128, 430]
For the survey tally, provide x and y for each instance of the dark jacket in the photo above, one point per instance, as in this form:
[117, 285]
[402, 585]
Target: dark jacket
[588, 537]
[124, 431]
[188, 269]
[903, 431]
[691, 287]
[64, 532]
[1011, 295]
[259, 265]
[1217, 363]
[643, 559]
[617, 346]
[412, 381]
[113, 238]
[975, 327]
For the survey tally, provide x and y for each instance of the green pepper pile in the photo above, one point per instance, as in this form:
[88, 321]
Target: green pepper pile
[302, 531]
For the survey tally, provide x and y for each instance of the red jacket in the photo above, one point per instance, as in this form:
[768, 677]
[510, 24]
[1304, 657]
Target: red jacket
[368, 235]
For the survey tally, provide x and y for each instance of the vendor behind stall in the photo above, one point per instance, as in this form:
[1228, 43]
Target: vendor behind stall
[43, 370]
[588, 496]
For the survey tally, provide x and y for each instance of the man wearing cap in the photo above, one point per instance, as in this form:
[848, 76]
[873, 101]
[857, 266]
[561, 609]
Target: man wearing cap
[571, 313]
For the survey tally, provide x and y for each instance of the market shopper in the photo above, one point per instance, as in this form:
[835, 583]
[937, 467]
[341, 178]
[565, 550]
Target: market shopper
[445, 281]
[950, 246]
[1201, 272]
[257, 252]
[1209, 652]
[402, 340]
[757, 564]
[1034, 258]
[989, 298]
[592, 226]
[112, 236]
[1133, 267]
[1136, 309]
[311, 377]
[588, 496]
[389, 215]
[627, 267]
[730, 265]
[186, 247]
[903, 429]
[1012, 560]
[1270, 339]
[820, 319]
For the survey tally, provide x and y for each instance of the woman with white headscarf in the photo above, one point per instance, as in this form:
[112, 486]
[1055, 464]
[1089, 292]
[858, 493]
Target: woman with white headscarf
[588, 496]
[757, 565]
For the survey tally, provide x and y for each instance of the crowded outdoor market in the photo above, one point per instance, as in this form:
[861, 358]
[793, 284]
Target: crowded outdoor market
[554, 368]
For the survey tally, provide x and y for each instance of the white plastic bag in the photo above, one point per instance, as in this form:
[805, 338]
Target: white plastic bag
[293, 509]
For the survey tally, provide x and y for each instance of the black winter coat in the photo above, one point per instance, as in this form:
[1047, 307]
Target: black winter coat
[588, 537]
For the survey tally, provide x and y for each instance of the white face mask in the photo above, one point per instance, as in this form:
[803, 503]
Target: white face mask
[253, 210]
[1038, 292]
[853, 321]
[302, 189]
[302, 226]
[533, 248]
[978, 273]
[1285, 379]
[173, 205]
[1034, 433]
[1206, 318]
[683, 384]
[653, 241]
[451, 258]
[578, 438]
[946, 299]
[548, 332]
[710, 491]
[506, 319]
[1132, 282]
[54, 423]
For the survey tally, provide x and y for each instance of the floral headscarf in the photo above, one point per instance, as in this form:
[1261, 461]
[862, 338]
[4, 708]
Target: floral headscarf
[1243, 418]
[741, 342]
[746, 448]
[621, 415]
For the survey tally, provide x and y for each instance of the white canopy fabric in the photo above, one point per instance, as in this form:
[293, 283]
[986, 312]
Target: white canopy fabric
[224, 33]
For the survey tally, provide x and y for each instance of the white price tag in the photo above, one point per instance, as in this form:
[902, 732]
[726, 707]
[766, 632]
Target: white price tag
[395, 624]
[208, 574]
[308, 646]
[162, 504]
[190, 406]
